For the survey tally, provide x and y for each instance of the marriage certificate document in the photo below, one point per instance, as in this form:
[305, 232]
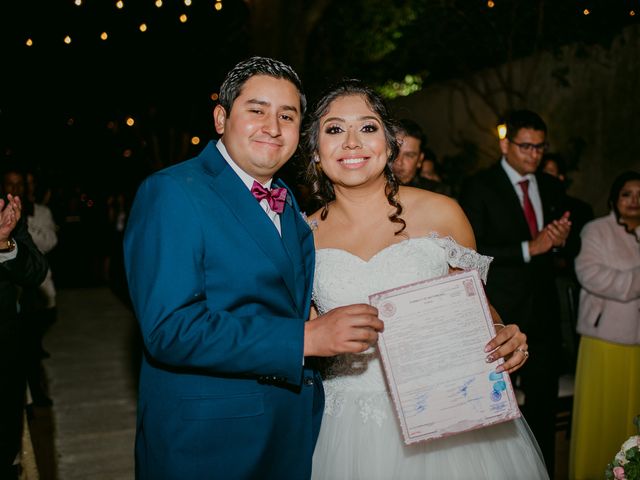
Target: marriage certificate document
[432, 350]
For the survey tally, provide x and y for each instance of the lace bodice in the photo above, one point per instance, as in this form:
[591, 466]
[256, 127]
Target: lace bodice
[344, 279]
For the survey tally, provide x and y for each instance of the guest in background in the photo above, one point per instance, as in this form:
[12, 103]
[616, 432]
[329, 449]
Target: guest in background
[431, 173]
[519, 219]
[44, 232]
[581, 212]
[407, 166]
[566, 282]
[37, 305]
[607, 389]
[117, 215]
[21, 265]
[410, 138]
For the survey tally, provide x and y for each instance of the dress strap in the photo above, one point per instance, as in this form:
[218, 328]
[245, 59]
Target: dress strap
[463, 257]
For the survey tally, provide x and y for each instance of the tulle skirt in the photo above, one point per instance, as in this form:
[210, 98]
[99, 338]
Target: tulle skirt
[358, 441]
[606, 398]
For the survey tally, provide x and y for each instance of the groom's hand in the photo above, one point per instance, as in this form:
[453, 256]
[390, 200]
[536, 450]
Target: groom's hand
[350, 329]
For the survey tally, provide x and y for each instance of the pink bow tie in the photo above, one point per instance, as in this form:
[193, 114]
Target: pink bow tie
[275, 197]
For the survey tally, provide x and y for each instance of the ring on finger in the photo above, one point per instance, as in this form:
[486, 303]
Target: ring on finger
[523, 352]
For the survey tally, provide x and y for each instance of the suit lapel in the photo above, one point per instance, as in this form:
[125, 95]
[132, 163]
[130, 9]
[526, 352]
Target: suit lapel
[259, 227]
[298, 243]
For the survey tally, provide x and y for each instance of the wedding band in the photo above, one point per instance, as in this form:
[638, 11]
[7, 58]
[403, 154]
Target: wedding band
[523, 352]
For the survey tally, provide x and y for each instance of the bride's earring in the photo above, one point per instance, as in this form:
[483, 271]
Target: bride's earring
[316, 162]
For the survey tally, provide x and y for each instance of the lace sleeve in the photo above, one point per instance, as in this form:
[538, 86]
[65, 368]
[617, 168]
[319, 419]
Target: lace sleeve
[463, 257]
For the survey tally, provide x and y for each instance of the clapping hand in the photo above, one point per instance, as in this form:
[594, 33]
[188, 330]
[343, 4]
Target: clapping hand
[552, 235]
[558, 230]
[10, 211]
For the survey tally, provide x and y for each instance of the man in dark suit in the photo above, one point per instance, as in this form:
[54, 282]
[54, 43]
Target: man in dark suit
[21, 265]
[519, 218]
[220, 270]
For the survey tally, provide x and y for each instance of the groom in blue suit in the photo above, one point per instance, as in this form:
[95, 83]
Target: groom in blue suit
[220, 266]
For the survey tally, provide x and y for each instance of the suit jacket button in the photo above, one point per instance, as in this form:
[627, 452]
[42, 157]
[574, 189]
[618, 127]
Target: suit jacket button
[308, 381]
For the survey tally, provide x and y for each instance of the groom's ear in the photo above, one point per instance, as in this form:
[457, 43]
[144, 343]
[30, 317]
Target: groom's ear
[219, 118]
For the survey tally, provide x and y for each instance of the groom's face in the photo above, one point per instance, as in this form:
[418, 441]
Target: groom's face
[262, 130]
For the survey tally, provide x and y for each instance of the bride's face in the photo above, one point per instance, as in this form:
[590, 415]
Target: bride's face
[351, 143]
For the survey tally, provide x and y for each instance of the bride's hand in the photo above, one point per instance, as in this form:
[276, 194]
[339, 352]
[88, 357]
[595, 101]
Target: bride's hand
[511, 344]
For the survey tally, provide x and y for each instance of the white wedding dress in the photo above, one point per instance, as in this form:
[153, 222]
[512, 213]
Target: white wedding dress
[360, 437]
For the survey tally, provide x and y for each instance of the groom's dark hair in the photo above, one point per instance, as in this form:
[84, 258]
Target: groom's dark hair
[243, 71]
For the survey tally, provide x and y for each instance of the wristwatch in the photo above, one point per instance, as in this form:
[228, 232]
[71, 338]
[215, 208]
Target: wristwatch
[7, 246]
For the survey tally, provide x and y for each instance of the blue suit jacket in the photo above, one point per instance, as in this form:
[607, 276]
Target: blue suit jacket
[221, 300]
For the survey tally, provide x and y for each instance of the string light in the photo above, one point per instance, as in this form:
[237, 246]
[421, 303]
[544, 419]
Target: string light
[214, 96]
[195, 140]
[218, 4]
[130, 121]
[502, 131]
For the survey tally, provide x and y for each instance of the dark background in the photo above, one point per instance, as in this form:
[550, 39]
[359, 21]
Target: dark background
[63, 108]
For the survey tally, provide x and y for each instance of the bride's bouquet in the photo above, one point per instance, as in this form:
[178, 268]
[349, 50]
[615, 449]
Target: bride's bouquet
[626, 464]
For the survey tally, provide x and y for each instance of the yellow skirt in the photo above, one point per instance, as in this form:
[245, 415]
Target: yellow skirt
[606, 398]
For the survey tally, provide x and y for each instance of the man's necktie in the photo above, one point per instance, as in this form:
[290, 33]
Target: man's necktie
[275, 196]
[529, 212]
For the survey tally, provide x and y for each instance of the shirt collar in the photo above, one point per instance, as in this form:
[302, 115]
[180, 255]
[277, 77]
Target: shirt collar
[244, 176]
[515, 177]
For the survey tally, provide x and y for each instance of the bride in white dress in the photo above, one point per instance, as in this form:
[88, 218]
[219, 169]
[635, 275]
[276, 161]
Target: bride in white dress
[372, 235]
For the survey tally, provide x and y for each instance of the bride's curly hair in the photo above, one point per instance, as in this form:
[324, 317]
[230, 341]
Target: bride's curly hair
[321, 187]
